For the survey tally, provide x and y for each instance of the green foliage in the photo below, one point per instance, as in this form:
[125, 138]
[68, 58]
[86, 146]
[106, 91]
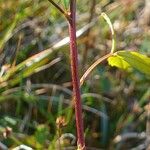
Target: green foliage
[66, 3]
[41, 135]
[8, 32]
[31, 110]
[116, 61]
[25, 68]
[128, 59]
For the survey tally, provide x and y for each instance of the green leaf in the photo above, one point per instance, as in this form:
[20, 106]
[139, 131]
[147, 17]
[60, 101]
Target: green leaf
[136, 60]
[8, 32]
[41, 135]
[127, 59]
[116, 61]
[66, 3]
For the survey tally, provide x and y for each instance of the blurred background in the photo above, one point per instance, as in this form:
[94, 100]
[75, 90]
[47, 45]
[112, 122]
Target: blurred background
[35, 79]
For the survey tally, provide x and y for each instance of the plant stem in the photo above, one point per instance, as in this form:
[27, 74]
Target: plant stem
[113, 48]
[75, 76]
[60, 9]
[91, 68]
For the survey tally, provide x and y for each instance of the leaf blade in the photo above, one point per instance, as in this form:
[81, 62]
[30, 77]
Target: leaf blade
[116, 61]
[127, 59]
[136, 60]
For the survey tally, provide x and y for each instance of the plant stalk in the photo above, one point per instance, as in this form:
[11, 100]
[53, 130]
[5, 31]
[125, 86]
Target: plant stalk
[75, 76]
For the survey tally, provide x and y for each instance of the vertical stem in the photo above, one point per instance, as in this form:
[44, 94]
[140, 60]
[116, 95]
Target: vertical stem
[75, 75]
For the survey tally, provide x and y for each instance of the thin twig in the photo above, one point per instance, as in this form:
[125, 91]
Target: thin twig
[127, 136]
[97, 96]
[36, 86]
[56, 60]
[67, 101]
[66, 14]
[90, 69]
[113, 48]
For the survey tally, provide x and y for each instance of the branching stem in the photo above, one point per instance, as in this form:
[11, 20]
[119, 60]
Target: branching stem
[62, 11]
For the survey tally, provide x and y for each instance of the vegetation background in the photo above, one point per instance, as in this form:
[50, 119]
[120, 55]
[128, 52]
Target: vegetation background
[35, 80]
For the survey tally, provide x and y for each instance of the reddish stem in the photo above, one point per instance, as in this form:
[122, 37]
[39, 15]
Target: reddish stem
[75, 75]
